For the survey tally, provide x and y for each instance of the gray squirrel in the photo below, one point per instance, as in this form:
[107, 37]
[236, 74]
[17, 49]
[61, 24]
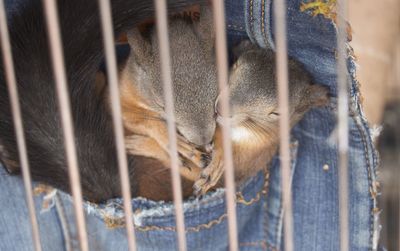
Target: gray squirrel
[254, 113]
[253, 104]
[195, 89]
[194, 80]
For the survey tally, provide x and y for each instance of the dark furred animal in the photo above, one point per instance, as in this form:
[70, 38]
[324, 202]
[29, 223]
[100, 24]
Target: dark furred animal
[83, 50]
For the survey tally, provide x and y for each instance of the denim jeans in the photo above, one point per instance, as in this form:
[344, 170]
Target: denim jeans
[311, 41]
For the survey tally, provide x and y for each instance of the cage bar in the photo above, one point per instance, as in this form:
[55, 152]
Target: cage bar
[165, 60]
[18, 125]
[222, 69]
[111, 64]
[57, 57]
[284, 126]
[343, 127]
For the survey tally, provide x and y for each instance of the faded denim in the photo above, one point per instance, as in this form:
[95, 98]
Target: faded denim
[312, 41]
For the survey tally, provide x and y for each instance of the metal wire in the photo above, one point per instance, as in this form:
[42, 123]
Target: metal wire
[18, 125]
[222, 65]
[111, 62]
[66, 118]
[284, 132]
[343, 128]
[397, 82]
[162, 32]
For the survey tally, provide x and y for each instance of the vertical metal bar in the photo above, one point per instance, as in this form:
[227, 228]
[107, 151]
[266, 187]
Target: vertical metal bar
[222, 65]
[397, 82]
[66, 118]
[343, 128]
[111, 62]
[162, 32]
[18, 125]
[284, 132]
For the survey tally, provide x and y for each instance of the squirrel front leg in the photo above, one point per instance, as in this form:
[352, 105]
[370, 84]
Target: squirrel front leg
[185, 149]
[211, 175]
[141, 121]
[145, 146]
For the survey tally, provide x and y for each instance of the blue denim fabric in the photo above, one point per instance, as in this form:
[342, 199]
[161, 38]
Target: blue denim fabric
[312, 41]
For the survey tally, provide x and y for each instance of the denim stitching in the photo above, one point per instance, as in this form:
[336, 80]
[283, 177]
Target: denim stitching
[368, 150]
[251, 19]
[268, 35]
[205, 225]
[240, 200]
[363, 138]
[263, 21]
[189, 229]
[267, 178]
[120, 222]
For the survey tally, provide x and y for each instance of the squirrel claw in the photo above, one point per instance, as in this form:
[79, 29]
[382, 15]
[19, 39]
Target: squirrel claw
[207, 180]
[205, 160]
[201, 187]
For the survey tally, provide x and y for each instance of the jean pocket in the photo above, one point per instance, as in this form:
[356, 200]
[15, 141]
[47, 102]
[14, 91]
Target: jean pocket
[205, 219]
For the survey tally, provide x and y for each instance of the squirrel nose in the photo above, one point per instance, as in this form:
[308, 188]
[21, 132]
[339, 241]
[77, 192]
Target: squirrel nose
[202, 140]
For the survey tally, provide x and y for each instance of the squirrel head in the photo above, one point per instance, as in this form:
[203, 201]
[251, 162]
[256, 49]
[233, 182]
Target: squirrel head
[193, 72]
[253, 91]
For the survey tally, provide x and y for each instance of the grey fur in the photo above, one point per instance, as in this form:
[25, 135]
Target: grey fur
[194, 76]
[253, 90]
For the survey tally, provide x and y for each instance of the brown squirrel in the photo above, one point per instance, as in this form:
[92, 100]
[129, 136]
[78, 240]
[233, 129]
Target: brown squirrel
[255, 125]
[254, 113]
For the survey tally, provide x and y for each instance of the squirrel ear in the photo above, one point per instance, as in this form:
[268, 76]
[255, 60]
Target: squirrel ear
[318, 95]
[205, 27]
[140, 48]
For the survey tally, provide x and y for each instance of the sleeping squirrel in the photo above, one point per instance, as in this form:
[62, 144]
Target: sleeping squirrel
[254, 113]
[254, 118]
[141, 96]
[195, 90]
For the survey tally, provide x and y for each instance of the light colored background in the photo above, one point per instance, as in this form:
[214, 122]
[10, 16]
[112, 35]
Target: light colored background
[376, 41]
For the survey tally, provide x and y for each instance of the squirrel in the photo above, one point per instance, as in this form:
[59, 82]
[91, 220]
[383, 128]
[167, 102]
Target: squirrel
[194, 81]
[83, 52]
[254, 113]
[94, 135]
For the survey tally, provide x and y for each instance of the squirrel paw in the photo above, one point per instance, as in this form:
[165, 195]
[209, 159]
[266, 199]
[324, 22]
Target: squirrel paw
[145, 146]
[191, 153]
[209, 178]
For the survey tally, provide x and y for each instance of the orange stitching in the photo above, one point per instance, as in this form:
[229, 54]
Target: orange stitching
[251, 18]
[120, 222]
[189, 229]
[263, 20]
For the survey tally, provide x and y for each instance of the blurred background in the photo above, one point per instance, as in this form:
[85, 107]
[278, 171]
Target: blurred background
[376, 42]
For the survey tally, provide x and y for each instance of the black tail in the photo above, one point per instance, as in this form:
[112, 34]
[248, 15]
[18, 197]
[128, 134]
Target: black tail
[83, 51]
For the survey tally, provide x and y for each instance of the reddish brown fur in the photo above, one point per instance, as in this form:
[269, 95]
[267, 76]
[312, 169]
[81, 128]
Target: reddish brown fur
[146, 135]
